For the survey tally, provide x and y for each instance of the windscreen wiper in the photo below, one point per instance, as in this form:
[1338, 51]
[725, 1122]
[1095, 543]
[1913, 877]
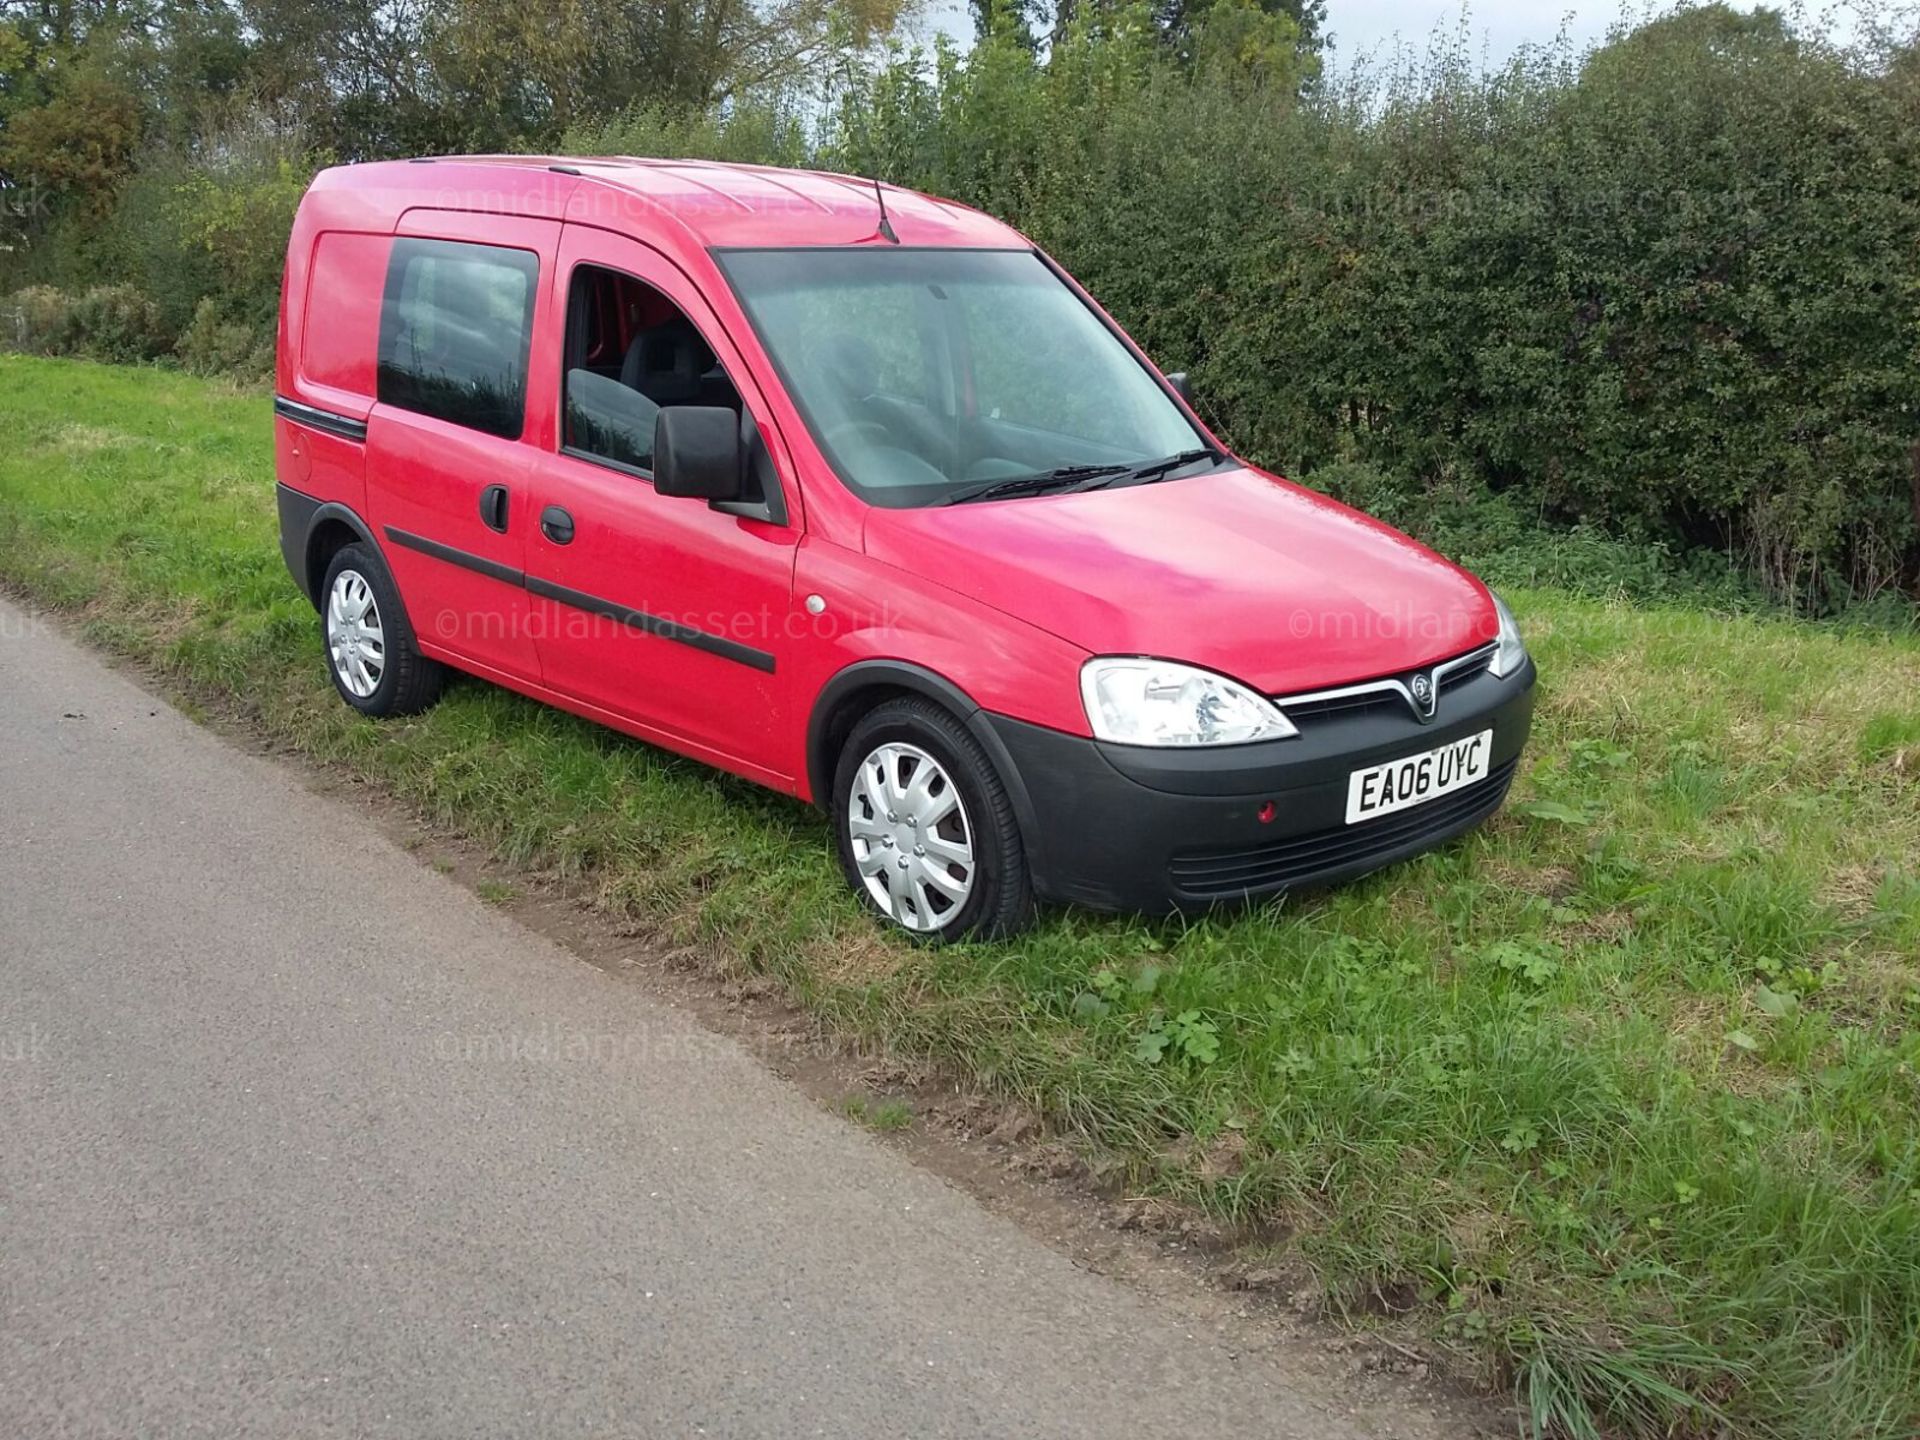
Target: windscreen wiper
[1036, 484]
[1160, 469]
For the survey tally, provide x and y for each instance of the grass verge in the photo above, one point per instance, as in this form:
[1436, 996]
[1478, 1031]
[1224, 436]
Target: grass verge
[1615, 1100]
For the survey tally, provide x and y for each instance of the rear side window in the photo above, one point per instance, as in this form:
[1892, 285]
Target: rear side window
[454, 331]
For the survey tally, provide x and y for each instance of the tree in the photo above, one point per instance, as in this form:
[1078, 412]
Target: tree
[1244, 42]
[531, 74]
[1179, 21]
[1016, 20]
[69, 124]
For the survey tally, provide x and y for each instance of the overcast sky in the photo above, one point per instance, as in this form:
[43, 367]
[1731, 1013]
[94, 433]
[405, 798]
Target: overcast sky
[1499, 27]
[1358, 26]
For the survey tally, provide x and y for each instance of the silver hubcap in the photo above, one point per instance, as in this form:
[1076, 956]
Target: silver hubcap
[355, 641]
[911, 839]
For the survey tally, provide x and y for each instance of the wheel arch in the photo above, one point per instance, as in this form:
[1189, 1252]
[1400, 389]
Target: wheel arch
[330, 528]
[856, 690]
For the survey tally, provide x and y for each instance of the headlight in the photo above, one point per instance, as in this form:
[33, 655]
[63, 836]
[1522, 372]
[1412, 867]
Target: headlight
[1160, 702]
[1512, 653]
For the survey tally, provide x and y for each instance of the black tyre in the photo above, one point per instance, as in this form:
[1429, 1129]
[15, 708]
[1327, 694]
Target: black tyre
[369, 643]
[925, 831]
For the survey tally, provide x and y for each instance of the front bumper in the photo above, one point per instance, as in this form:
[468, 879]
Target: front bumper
[1121, 827]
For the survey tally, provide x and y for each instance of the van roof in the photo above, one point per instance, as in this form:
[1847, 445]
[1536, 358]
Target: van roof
[711, 204]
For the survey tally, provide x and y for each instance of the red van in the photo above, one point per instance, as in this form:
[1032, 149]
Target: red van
[855, 493]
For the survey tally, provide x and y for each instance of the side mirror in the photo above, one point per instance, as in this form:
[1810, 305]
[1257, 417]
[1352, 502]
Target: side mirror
[696, 453]
[1178, 380]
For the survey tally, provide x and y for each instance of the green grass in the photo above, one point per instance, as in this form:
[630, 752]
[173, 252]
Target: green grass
[882, 1116]
[1615, 1100]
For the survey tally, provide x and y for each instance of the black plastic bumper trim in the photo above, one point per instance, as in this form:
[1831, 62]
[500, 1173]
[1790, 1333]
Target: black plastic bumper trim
[328, 422]
[1229, 874]
[580, 600]
[296, 524]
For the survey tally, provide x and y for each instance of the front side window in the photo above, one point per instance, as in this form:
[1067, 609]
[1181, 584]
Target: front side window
[926, 374]
[455, 326]
[630, 352]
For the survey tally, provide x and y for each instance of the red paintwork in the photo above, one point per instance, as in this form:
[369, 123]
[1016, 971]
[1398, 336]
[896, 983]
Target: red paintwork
[675, 559]
[1238, 571]
[337, 355]
[1246, 574]
[425, 475]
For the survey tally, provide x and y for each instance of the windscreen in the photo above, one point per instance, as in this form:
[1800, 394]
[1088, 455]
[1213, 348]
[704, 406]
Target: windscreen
[925, 374]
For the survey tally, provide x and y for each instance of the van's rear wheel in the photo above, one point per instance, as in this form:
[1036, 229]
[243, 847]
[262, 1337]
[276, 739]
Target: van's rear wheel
[925, 831]
[371, 653]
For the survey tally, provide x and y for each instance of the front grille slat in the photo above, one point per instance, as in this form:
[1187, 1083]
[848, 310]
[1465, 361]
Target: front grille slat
[1344, 705]
[1265, 867]
[1372, 695]
[1472, 670]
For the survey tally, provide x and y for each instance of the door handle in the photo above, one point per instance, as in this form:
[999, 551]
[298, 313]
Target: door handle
[493, 508]
[557, 525]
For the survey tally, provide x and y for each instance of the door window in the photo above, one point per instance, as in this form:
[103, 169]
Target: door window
[454, 332]
[631, 352]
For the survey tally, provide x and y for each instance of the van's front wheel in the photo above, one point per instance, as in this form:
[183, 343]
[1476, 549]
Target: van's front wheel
[371, 653]
[926, 834]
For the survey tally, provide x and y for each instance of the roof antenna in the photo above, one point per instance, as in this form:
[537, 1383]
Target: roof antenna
[866, 134]
[886, 226]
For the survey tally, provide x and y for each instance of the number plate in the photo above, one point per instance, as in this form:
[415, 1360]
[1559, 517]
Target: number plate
[1402, 784]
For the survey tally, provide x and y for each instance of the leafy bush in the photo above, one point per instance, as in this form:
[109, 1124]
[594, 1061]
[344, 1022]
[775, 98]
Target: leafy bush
[745, 134]
[34, 320]
[213, 345]
[1499, 540]
[238, 217]
[187, 229]
[115, 323]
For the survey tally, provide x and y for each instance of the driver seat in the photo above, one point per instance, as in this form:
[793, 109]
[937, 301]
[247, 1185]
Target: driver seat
[667, 363]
